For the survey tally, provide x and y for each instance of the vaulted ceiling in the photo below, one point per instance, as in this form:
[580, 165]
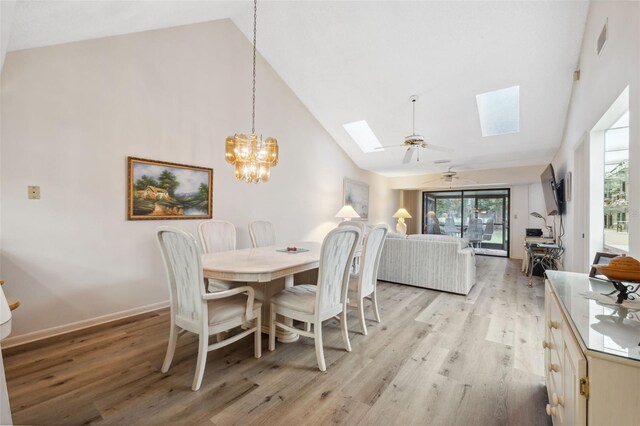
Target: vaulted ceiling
[354, 60]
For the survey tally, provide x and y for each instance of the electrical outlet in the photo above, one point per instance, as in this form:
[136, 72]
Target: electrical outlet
[33, 192]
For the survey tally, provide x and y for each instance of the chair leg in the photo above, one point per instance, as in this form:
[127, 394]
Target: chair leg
[374, 302]
[363, 324]
[257, 338]
[171, 347]
[272, 327]
[317, 335]
[202, 360]
[345, 332]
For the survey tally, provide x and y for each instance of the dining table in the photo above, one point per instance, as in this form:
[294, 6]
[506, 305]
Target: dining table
[268, 270]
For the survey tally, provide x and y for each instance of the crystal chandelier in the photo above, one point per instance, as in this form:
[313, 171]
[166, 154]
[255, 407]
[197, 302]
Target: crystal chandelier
[252, 157]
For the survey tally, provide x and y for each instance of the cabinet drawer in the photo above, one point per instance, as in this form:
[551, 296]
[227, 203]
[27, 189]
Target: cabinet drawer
[555, 320]
[554, 367]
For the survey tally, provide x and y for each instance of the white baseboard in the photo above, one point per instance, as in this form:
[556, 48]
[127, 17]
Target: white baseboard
[79, 325]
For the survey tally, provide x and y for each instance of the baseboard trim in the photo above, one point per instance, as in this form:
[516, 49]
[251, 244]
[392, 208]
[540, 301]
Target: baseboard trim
[10, 342]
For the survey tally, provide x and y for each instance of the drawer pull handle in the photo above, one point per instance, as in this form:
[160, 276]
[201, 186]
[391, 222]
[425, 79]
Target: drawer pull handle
[554, 368]
[546, 345]
[554, 324]
[551, 410]
[557, 400]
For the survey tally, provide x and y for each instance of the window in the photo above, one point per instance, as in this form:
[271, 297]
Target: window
[363, 136]
[499, 111]
[480, 215]
[616, 184]
[608, 180]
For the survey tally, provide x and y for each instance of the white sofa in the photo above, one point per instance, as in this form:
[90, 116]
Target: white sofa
[437, 262]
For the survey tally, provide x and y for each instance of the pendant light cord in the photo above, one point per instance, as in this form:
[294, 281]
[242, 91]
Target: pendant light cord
[255, 23]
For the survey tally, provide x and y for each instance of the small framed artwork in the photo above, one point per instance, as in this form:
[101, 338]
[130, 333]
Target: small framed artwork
[161, 190]
[356, 194]
[600, 259]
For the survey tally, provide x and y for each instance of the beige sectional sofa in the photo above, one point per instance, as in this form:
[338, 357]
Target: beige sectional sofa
[437, 262]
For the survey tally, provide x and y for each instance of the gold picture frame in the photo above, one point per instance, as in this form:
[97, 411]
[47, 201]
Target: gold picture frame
[159, 190]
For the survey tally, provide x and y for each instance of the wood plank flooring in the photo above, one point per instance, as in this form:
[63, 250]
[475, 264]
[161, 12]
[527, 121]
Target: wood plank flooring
[436, 359]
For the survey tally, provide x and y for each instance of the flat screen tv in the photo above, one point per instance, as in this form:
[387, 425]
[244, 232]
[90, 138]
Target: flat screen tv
[553, 192]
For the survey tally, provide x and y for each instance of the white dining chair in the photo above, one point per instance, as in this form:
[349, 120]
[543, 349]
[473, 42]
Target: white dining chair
[262, 233]
[216, 236]
[363, 231]
[195, 310]
[314, 304]
[363, 285]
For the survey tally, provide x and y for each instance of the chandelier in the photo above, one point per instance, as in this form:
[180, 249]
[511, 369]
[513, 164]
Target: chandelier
[251, 156]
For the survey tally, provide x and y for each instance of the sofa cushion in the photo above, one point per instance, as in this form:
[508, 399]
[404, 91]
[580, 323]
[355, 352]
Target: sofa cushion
[396, 235]
[432, 237]
[438, 262]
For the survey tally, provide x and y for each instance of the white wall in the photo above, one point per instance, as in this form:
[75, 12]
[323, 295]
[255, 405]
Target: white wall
[71, 115]
[602, 80]
[7, 11]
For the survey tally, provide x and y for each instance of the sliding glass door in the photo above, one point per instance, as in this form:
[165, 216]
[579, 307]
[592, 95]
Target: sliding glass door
[480, 215]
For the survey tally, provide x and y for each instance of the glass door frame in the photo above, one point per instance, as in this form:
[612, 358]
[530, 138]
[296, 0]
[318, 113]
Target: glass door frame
[506, 212]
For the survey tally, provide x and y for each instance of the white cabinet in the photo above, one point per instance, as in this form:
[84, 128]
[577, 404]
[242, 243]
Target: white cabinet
[592, 360]
[565, 367]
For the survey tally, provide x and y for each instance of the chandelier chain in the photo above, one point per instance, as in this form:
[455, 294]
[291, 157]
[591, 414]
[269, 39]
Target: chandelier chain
[255, 24]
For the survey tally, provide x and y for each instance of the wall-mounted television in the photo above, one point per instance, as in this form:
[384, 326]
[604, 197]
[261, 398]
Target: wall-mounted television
[553, 192]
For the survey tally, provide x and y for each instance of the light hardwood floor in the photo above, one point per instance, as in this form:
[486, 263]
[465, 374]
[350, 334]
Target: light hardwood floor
[436, 359]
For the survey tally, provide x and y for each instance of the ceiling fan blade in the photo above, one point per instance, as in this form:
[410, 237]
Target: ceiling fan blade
[381, 148]
[482, 184]
[433, 180]
[466, 180]
[407, 156]
[436, 147]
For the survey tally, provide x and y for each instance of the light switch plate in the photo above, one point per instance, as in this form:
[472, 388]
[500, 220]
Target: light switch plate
[33, 192]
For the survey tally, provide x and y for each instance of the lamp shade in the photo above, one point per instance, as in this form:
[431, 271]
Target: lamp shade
[402, 213]
[536, 214]
[347, 212]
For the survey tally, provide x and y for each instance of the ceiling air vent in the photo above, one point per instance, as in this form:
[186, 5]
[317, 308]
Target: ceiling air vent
[441, 161]
[602, 38]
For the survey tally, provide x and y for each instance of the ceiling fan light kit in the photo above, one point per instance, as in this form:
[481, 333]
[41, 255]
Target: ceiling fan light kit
[414, 142]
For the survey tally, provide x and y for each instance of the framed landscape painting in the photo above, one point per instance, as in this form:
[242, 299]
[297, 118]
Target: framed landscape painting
[356, 194]
[161, 190]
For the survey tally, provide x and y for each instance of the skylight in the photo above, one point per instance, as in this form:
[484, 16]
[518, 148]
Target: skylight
[499, 111]
[363, 136]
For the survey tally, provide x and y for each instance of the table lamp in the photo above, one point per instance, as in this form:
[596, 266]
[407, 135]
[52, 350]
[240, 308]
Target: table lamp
[347, 213]
[549, 230]
[401, 215]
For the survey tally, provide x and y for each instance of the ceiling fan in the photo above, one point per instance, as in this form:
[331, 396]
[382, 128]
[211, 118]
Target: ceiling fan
[414, 142]
[450, 179]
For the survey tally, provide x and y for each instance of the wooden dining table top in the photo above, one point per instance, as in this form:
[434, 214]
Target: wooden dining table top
[260, 264]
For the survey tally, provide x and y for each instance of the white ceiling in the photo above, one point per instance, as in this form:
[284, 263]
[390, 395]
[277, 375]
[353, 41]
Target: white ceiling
[353, 60]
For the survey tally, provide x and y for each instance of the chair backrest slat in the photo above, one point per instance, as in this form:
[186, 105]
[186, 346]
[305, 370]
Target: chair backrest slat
[336, 257]
[371, 258]
[182, 259]
[262, 233]
[360, 225]
[217, 235]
